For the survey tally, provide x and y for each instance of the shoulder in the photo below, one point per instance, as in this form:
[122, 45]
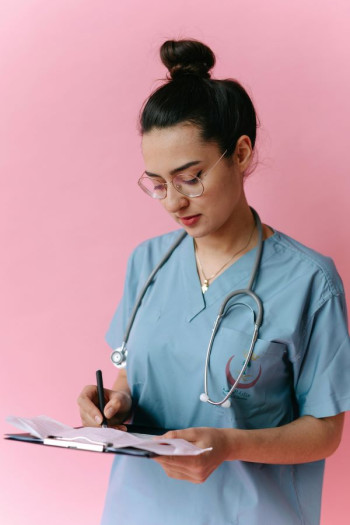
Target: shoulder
[156, 246]
[150, 252]
[300, 261]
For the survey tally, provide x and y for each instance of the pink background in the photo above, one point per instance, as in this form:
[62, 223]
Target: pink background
[73, 77]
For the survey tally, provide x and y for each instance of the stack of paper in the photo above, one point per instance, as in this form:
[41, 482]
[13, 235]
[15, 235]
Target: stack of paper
[47, 429]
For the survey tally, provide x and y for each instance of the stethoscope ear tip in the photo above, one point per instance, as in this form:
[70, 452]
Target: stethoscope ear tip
[204, 398]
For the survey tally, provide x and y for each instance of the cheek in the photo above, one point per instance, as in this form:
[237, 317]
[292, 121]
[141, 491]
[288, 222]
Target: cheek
[222, 199]
[228, 186]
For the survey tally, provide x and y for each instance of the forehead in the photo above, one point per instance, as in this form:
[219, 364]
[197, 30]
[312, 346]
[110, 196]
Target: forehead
[166, 148]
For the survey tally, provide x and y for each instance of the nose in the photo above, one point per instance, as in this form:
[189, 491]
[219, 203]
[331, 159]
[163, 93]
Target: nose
[174, 200]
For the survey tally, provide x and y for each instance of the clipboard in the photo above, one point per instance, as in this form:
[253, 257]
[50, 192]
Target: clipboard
[92, 447]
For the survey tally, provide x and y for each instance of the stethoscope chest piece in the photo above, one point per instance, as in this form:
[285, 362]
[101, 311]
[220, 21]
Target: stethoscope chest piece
[118, 356]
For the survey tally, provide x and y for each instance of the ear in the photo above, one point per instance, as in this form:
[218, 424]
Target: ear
[243, 153]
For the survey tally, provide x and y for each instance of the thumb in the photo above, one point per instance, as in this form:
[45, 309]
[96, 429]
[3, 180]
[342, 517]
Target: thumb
[189, 434]
[172, 434]
[113, 405]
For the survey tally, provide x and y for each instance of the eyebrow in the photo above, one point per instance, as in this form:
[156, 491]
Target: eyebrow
[177, 170]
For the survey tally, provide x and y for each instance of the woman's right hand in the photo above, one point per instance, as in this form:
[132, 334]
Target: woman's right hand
[117, 407]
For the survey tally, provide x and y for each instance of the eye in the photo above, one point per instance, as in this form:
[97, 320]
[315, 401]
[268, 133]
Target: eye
[158, 184]
[191, 179]
[153, 187]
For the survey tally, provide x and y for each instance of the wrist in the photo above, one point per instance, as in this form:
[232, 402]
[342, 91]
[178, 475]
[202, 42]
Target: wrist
[127, 404]
[126, 394]
[233, 441]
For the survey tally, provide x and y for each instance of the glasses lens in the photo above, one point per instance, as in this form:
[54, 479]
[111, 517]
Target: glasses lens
[188, 185]
[153, 188]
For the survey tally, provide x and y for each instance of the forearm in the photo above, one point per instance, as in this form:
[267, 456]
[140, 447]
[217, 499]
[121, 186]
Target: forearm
[305, 439]
[121, 383]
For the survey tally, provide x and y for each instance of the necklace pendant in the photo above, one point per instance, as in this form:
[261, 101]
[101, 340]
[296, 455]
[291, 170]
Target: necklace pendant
[205, 286]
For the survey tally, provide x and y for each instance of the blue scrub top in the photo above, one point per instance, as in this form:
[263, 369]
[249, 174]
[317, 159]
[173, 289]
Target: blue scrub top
[300, 366]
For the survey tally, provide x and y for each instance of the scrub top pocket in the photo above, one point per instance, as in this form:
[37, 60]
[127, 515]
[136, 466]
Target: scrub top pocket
[263, 393]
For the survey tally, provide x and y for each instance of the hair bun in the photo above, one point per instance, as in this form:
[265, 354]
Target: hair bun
[187, 57]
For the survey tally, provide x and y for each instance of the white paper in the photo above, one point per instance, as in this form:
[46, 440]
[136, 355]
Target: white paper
[43, 427]
[39, 426]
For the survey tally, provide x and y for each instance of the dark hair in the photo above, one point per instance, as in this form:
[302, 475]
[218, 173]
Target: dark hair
[222, 109]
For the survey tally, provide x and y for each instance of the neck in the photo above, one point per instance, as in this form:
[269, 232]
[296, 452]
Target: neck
[230, 237]
[216, 253]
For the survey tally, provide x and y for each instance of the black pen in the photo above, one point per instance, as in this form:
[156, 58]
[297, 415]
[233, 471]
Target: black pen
[101, 397]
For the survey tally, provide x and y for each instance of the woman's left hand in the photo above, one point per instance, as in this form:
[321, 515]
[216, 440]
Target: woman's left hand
[196, 468]
[304, 440]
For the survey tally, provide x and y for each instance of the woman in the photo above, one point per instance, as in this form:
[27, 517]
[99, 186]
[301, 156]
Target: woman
[287, 408]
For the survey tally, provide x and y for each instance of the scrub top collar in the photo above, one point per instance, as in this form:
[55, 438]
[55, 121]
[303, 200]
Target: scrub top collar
[234, 277]
[194, 301]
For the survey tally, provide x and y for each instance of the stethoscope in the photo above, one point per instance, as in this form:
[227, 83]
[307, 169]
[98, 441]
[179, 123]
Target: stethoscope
[119, 355]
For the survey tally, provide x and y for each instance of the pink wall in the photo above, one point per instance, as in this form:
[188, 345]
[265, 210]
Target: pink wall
[73, 76]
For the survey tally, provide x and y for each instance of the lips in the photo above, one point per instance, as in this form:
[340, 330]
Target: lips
[190, 220]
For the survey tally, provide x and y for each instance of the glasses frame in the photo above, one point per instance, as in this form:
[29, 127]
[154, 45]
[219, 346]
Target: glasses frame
[165, 184]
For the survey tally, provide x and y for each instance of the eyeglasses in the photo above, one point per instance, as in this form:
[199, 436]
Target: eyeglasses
[185, 183]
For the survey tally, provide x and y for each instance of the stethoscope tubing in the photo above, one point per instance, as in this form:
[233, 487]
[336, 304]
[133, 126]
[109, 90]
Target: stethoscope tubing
[147, 283]
[257, 323]
[119, 355]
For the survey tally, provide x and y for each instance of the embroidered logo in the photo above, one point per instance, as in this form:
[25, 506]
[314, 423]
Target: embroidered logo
[250, 376]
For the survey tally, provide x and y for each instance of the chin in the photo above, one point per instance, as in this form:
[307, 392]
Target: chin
[197, 233]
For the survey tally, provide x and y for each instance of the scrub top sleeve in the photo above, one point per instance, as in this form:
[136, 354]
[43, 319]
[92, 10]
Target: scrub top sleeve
[322, 372]
[117, 327]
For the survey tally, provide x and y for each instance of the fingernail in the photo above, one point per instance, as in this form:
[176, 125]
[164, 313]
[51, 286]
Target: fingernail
[98, 420]
[109, 412]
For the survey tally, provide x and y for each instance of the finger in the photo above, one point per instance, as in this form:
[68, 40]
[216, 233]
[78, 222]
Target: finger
[118, 402]
[189, 434]
[181, 472]
[88, 421]
[116, 421]
[181, 463]
[112, 407]
[119, 427]
[172, 434]
[89, 413]
[170, 466]
[177, 475]
[88, 392]
[184, 463]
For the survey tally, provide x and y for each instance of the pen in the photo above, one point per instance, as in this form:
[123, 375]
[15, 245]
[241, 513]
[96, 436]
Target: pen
[101, 397]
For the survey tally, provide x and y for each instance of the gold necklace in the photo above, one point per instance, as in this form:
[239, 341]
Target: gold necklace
[206, 281]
